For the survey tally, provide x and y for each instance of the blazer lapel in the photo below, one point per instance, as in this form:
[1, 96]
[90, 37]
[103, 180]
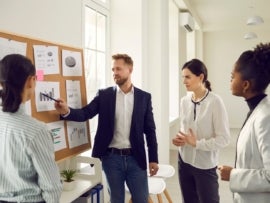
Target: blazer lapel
[136, 109]
[112, 104]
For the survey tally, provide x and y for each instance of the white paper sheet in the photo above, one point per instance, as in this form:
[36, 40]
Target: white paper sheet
[71, 63]
[50, 88]
[73, 90]
[8, 46]
[77, 133]
[58, 134]
[46, 59]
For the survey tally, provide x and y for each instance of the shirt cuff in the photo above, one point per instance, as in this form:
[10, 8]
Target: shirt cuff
[66, 115]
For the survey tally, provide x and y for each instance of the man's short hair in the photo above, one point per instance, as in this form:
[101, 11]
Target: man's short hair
[127, 59]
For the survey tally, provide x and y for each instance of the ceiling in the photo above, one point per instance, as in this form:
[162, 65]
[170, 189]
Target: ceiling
[226, 14]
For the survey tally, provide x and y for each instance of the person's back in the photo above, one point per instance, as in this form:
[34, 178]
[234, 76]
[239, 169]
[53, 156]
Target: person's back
[21, 139]
[28, 172]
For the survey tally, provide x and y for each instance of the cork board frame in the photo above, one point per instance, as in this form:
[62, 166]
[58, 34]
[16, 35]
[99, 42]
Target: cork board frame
[52, 115]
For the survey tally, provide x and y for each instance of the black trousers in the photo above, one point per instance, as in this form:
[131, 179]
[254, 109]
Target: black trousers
[198, 185]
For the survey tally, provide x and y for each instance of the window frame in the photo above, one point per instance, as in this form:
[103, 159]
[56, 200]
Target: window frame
[102, 8]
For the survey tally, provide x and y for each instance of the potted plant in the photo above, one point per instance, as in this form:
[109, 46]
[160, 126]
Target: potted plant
[68, 175]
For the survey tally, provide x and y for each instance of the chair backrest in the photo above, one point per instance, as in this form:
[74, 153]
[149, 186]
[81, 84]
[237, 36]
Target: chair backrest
[165, 171]
[92, 167]
[155, 185]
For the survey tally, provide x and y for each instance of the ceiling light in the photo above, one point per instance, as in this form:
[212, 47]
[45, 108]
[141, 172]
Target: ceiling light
[250, 35]
[254, 20]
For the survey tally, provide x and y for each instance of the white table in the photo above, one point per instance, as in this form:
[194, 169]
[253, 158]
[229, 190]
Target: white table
[83, 181]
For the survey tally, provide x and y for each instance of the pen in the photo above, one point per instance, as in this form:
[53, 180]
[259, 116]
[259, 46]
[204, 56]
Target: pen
[48, 97]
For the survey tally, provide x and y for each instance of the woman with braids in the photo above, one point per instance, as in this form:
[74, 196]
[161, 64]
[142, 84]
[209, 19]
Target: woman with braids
[250, 177]
[204, 130]
[28, 172]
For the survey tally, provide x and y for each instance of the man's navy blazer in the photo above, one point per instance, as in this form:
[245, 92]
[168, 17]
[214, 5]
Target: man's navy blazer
[142, 123]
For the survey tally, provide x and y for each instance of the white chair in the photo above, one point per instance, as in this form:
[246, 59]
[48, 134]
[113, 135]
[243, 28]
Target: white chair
[156, 186]
[165, 171]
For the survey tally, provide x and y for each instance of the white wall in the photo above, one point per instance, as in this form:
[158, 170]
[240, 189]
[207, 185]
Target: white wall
[53, 21]
[221, 50]
[126, 33]
[157, 45]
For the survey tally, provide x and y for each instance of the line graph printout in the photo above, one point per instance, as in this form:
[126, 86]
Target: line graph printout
[77, 133]
[58, 134]
[51, 89]
[74, 93]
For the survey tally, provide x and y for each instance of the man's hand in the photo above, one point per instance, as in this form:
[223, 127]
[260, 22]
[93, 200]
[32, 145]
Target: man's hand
[61, 106]
[153, 168]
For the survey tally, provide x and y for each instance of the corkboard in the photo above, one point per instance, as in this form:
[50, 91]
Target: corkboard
[52, 115]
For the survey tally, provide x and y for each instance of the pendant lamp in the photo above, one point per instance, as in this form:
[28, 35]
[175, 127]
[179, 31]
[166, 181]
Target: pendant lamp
[250, 35]
[254, 20]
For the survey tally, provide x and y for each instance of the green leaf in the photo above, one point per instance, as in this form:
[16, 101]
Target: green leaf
[68, 174]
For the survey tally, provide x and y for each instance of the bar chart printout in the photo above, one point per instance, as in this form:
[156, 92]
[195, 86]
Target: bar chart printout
[49, 94]
[43, 102]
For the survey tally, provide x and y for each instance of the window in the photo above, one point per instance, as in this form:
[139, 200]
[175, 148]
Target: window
[95, 37]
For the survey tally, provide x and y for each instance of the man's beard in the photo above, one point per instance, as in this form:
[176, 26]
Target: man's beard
[121, 81]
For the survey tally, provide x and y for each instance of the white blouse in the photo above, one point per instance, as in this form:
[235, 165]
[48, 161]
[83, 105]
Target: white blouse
[208, 119]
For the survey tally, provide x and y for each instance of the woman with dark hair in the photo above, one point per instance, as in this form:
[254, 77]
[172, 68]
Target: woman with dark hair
[204, 129]
[28, 171]
[250, 177]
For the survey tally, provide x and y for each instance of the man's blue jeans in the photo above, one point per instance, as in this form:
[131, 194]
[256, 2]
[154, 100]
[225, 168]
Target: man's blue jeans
[120, 169]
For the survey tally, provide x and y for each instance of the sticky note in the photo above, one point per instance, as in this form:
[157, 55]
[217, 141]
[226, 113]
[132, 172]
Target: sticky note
[40, 75]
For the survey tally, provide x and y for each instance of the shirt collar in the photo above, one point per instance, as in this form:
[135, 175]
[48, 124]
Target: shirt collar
[118, 90]
[22, 109]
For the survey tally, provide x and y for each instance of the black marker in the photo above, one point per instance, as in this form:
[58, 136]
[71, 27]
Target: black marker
[48, 97]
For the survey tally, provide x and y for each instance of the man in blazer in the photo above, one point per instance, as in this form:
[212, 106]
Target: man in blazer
[125, 117]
